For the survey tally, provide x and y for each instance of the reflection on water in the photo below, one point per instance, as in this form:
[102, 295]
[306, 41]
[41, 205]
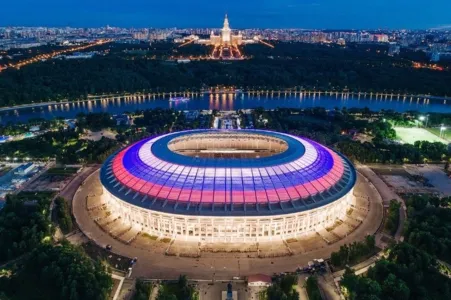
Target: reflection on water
[269, 100]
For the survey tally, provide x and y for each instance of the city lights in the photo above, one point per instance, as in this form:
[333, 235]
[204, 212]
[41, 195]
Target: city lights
[46, 56]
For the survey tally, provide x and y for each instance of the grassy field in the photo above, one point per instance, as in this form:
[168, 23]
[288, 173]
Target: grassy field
[411, 135]
[446, 133]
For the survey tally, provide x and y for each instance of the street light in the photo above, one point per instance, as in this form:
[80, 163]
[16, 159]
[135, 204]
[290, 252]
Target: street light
[442, 129]
[424, 118]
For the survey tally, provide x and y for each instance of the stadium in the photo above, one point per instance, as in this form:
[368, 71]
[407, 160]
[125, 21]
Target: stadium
[242, 186]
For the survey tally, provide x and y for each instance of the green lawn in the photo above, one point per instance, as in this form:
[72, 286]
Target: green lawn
[62, 171]
[411, 135]
[446, 133]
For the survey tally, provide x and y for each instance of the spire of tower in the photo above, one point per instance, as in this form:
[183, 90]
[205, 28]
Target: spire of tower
[226, 21]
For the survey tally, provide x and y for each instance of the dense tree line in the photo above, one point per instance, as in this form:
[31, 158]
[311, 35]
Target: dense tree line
[38, 269]
[57, 272]
[291, 64]
[392, 218]
[19, 128]
[352, 253]
[142, 290]
[95, 121]
[62, 213]
[429, 225]
[282, 288]
[420, 152]
[24, 224]
[179, 290]
[407, 273]
[63, 145]
[312, 288]
[157, 121]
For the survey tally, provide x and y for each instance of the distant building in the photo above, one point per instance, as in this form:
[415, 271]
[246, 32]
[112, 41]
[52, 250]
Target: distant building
[24, 169]
[79, 55]
[341, 42]
[394, 49]
[70, 123]
[4, 138]
[34, 128]
[144, 35]
[26, 45]
[226, 43]
[122, 119]
[380, 38]
[259, 280]
[435, 56]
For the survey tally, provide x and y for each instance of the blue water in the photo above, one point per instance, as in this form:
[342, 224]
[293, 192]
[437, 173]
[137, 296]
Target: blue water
[227, 102]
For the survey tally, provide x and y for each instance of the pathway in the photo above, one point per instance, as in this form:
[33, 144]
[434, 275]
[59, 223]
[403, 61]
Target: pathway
[387, 195]
[225, 266]
[154, 294]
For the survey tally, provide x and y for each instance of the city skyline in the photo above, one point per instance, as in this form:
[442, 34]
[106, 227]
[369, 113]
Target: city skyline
[316, 14]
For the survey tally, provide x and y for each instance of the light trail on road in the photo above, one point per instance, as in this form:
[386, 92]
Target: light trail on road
[46, 56]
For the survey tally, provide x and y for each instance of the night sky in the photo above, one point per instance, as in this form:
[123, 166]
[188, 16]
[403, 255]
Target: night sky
[332, 14]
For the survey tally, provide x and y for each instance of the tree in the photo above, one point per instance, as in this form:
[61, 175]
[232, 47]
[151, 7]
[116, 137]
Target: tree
[24, 223]
[63, 215]
[142, 290]
[392, 219]
[59, 272]
[354, 252]
[313, 289]
[177, 291]
[283, 289]
[407, 273]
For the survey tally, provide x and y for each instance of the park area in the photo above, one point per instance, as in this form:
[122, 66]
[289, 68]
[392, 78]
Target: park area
[411, 135]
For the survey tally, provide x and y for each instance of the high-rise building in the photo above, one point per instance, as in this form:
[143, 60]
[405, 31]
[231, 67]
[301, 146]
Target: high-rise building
[394, 49]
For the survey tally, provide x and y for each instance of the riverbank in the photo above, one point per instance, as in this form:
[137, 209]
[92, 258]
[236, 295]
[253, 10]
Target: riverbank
[119, 104]
[270, 93]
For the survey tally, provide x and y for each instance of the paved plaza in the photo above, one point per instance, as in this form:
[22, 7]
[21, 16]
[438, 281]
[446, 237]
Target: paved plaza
[99, 225]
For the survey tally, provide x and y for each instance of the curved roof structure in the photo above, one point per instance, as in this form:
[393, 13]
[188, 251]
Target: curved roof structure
[216, 172]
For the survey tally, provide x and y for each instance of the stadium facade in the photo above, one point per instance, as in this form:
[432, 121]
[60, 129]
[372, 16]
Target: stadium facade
[228, 186]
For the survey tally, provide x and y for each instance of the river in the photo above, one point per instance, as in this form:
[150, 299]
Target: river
[226, 102]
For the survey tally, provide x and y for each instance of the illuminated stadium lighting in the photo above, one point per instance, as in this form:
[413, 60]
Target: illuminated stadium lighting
[177, 185]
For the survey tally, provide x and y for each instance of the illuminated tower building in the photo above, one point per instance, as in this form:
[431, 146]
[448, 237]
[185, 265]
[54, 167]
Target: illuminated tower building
[225, 44]
[226, 32]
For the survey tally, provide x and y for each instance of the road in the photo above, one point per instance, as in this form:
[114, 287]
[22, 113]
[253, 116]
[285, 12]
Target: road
[387, 195]
[70, 189]
[221, 265]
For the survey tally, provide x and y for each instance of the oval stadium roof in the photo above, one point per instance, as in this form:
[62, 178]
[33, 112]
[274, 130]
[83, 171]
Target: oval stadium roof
[304, 176]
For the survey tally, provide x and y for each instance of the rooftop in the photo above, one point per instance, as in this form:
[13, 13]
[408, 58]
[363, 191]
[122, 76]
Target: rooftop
[227, 172]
